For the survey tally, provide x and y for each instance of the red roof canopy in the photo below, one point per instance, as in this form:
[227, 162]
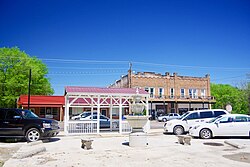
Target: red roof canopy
[41, 100]
[79, 89]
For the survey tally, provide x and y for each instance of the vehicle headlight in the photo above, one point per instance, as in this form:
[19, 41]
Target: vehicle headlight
[46, 125]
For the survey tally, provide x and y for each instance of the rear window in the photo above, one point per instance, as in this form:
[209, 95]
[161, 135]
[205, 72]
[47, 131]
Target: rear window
[206, 114]
[240, 119]
[218, 113]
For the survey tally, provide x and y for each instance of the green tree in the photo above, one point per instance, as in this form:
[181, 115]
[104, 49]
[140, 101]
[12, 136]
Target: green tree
[14, 76]
[227, 94]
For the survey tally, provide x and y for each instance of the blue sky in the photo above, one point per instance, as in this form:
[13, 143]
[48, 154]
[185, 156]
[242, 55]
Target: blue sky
[91, 42]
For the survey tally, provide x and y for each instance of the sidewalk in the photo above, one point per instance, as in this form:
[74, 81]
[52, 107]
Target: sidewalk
[113, 151]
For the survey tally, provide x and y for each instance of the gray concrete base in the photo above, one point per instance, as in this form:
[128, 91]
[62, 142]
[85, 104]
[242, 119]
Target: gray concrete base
[138, 139]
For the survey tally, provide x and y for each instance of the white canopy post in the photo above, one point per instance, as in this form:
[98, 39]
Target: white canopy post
[98, 114]
[120, 114]
[66, 114]
[111, 112]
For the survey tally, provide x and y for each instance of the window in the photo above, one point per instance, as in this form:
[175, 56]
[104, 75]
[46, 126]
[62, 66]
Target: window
[151, 92]
[171, 92]
[161, 92]
[226, 120]
[11, 114]
[192, 116]
[207, 114]
[182, 93]
[49, 111]
[203, 93]
[240, 119]
[42, 111]
[146, 89]
[193, 93]
[218, 113]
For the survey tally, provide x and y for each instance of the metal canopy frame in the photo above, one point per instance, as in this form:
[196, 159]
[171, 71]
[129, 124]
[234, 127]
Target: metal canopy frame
[101, 100]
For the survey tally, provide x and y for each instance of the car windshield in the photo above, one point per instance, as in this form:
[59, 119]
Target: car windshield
[184, 115]
[214, 119]
[28, 114]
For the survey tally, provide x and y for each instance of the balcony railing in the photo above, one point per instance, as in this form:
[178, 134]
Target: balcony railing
[186, 98]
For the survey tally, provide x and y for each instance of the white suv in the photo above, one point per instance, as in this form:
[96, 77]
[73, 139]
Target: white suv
[182, 125]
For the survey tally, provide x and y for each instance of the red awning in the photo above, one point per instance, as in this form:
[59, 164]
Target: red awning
[41, 100]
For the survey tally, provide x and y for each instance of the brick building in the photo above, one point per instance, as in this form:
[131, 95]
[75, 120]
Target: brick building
[170, 93]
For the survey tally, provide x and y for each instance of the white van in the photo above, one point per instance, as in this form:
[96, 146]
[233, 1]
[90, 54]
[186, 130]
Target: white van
[182, 125]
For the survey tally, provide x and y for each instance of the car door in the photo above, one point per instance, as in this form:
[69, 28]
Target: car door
[13, 124]
[191, 119]
[104, 122]
[224, 127]
[241, 126]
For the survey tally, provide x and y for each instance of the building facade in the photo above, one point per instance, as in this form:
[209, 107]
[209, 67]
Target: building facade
[170, 93]
[44, 106]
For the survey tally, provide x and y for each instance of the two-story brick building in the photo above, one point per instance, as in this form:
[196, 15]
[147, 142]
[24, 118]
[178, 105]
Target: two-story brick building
[170, 93]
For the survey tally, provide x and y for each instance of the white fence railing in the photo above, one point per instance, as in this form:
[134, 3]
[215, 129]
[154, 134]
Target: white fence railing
[82, 127]
[126, 128]
[90, 127]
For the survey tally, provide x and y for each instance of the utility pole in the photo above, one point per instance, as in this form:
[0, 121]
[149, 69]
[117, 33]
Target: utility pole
[29, 91]
[130, 74]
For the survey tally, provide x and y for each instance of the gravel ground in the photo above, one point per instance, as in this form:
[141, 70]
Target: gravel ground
[110, 150]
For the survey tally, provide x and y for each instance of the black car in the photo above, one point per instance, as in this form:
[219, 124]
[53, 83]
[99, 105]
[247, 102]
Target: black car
[19, 123]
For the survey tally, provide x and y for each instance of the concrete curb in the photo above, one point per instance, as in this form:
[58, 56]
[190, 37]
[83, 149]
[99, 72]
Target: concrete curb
[233, 144]
[29, 153]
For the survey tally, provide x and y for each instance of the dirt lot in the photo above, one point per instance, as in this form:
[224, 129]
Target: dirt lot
[109, 150]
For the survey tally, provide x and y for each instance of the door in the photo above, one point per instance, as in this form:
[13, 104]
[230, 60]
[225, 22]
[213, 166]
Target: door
[191, 119]
[13, 124]
[241, 126]
[224, 127]
[104, 122]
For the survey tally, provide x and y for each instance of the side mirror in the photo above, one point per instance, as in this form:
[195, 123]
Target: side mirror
[17, 117]
[217, 124]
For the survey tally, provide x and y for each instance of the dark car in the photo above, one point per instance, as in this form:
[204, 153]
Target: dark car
[19, 123]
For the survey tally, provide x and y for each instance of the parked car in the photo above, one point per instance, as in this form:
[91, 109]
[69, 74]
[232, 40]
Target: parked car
[104, 121]
[82, 115]
[182, 125]
[168, 117]
[224, 125]
[19, 123]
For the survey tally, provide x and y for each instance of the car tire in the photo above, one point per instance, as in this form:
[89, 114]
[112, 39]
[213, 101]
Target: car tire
[178, 130]
[32, 135]
[164, 119]
[206, 134]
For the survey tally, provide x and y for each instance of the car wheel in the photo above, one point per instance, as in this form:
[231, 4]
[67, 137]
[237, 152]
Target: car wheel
[164, 119]
[33, 134]
[205, 134]
[178, 130]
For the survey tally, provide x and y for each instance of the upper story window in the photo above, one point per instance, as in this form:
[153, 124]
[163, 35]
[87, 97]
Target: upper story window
[203, 92]
[147, 89]
[182, 93]
[193, 93]
[161, 92]
[151, 91]
[171, 92]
